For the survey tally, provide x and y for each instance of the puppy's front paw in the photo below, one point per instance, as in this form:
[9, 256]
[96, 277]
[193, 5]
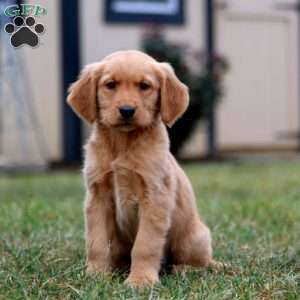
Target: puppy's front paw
[217, 265]
[142, 280]
[97, 269]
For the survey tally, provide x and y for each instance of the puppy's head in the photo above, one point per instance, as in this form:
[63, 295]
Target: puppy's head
[128, 90]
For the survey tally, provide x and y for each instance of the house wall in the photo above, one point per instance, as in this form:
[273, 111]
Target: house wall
[260, 107]
[99, 39]
[43, 80]
[43, 74]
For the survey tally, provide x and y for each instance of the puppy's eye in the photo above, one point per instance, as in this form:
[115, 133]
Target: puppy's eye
[144, 86]
[111, 85]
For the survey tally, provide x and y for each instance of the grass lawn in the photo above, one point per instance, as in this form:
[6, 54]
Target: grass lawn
[252, 209]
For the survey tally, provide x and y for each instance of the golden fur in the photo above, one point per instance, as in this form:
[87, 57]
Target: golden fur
[139, 204]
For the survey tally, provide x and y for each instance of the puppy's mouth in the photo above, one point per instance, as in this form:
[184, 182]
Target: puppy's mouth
[125, 126]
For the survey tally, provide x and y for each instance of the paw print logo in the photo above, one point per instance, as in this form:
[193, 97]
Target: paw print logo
[24, 31]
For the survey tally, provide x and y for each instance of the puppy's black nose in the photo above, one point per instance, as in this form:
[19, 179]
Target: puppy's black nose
[127, 111]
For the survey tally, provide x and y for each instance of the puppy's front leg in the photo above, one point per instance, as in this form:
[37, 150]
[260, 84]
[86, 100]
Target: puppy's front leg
[97, 218]
[147, 252]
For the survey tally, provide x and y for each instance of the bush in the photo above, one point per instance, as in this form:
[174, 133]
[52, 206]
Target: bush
[204, 86]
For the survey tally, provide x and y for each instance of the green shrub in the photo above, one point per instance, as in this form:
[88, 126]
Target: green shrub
[204, 86]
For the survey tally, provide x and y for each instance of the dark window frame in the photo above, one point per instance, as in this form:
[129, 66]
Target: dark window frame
[115, 17]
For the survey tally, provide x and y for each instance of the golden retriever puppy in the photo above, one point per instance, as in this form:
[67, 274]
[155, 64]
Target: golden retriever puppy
[139, 205]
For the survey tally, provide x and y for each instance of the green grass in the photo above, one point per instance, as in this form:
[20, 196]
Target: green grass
[252, 209]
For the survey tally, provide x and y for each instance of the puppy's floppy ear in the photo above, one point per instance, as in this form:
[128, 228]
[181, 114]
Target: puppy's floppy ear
[83, 93]
[174, 95]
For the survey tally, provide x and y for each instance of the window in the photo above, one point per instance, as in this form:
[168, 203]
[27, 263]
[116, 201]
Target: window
[145, 11]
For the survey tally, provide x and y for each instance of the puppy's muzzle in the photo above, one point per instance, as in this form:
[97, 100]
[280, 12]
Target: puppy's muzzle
[127, 112]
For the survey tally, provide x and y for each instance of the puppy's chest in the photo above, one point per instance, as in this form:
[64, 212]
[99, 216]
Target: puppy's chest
[128, 193]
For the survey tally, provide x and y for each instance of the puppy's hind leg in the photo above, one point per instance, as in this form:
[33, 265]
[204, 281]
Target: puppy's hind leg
[193, 248]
